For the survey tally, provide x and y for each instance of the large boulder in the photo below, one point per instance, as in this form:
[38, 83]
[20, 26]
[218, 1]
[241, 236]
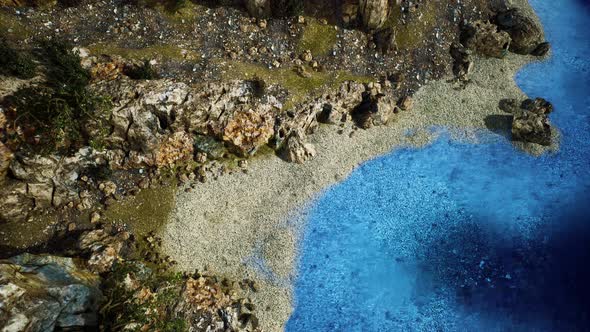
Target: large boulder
[527, 36]
[530, 120]
[485, 39]
[258, 8]
[374, 13]
[47, 293]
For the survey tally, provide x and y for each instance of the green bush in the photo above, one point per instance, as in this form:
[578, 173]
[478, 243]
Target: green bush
[53, 114]
[14, 63]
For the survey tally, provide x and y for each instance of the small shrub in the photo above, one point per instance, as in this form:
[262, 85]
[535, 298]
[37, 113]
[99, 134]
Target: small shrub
[53, 115]
[13, 63]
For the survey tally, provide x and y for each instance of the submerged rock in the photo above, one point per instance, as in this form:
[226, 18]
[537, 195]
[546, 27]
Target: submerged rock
[525, 33]
[47, 293]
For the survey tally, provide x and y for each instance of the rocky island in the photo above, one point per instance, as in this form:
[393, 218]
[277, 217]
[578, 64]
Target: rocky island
[155, 155]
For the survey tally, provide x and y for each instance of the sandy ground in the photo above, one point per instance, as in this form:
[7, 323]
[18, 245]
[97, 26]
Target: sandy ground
[247, 225]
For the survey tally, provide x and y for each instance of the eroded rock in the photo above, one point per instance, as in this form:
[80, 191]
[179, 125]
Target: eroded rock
[525, 33]
[296, 149]
[485, 39]
[374, 13]
[47, 293]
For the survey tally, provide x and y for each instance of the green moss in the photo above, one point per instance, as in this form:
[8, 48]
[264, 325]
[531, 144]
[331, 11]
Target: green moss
[299, 88]
[318, 38]
[164, 52]
[12, 27]
[13, 63]
[414, 32]
[146, 212]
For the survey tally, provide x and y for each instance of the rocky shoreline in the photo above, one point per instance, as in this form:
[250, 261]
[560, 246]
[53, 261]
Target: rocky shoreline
[219, 139]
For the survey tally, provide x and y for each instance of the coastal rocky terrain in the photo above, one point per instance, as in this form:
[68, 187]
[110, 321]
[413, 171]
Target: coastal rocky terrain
[138, 139]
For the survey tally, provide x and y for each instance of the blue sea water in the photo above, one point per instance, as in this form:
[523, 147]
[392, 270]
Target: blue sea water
[459, 236]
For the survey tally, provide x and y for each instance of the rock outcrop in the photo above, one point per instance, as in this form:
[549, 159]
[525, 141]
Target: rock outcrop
[530, 121]
[527, 36]
[296, 149]
[258, 8]
[104, 248]
[485, 39]
[374, 13]
[47, 293]
[376, 108]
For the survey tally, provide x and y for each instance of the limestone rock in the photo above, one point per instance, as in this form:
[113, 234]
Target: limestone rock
[47, 293]
[296, 150]
[526, 34]
[376, 109]
[374, 13]
[485, 39]
[248, 129]
[104, 248]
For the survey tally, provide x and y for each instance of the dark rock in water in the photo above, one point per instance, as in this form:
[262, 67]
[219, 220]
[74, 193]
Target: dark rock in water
[47, 293]
[537, 106]
[485, 39]
[526, 34]
[530, 122]
[531, 127]
[542, 49]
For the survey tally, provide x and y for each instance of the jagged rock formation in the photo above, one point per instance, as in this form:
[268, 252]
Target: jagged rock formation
[374, 13]
[485, 39]
[296, 150]
[47, 293]
[527, 36]
[530, 120]
[258, 8]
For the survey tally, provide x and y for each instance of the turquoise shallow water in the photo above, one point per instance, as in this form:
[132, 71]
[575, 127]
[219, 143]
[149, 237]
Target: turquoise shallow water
[463, 237]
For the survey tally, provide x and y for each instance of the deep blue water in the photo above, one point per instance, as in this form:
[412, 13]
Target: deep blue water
[464, 237]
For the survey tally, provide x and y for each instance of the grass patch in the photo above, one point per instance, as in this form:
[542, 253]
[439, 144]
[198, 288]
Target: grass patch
[299, 88]
[146, 212]
[413, 33]
[12, 28]
[14, 63]
[318, 38]
[147, 53]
